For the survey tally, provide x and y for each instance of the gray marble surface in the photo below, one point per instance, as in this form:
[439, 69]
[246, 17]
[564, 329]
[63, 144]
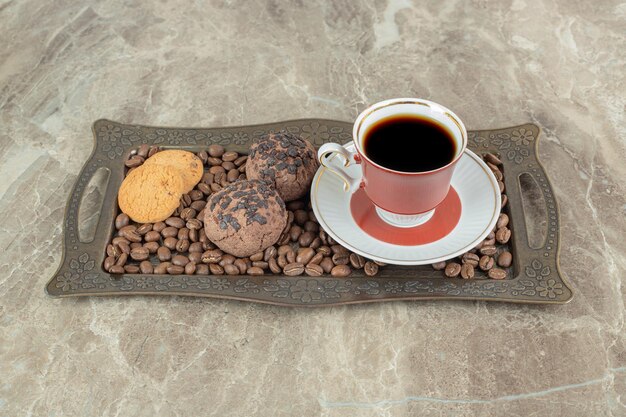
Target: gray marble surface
[64, 64]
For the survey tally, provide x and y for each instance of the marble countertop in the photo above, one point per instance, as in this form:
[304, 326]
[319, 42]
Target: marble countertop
[558, 64]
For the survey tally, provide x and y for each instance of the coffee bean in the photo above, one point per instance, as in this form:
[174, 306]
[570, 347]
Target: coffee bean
[341, 258]
[130, 233]
[488, 250]
[121, 260]
[281, 261]
[503, 235]
[357, 261]
[193, 234]
[153, 150]
[485, 263]
[182, 245]
[270, 252]
[204, 188]
[124, 247]
[438, 266]
[317, 258]
[135, 245]
[175, 270]
[200, 215]
[202, 269]
[176, 222]
[190, 268]
[194, 224]
[119, 239]
[496, 273]
[291, 256]
[113, 251]
[293, 269]
[488, 242]
[146, 267]
[260, 264]
[498, 175]
[467, 271]
[300, 217]
[312, 217]
[339, 249]
[158, 227]
[505, 259]
[227, 259]
[370, 268]
[330, 241]
[109, 261]
[327, 264]
[203, 155]
[489, 157]
[283, 249]
[116, 269]
[195, 257]
[232, 175]
[306, 239]
[162, 268]
[505, 199]
[317, 242]
[257, 256]
[185, 200]
[470, 258]
[452, 270]
[501, 186]
[216, 150]
[340, 271]
[144, 228]
[170, 243]
[169, 232]
[231, 269]
[164, 254]
[255, 270]
[323, 237]
[305, 255]
[324, 250]
[215, 170]
[284, 239]
[131, 269]
[196, 247]
[134, 161]
[310, 226]
[216, 269]
[139, 254]
[180, 260]
[228, 166]
[230, 156]
[503, 220]
[212, 256]
[295, 233]
[492, 167]
[152, 236]
[143, 150]
[313, 270]
[295, 205]
[196, 195]
[274, 267]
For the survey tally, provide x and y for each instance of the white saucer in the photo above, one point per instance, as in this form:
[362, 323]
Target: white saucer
[477, 190]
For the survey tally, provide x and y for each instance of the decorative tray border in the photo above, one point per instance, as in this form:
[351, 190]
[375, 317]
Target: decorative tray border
[536, 279]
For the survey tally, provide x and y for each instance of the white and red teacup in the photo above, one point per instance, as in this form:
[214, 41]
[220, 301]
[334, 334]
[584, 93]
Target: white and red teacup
[412, 175]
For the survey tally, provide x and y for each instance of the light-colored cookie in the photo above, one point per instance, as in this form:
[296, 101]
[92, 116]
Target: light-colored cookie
[188, 164]
[150, 193]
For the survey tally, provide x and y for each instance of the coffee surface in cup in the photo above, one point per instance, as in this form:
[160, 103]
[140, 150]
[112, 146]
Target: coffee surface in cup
[409, 143]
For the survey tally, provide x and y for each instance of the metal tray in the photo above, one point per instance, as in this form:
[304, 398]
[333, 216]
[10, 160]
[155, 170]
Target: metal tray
[536, 274]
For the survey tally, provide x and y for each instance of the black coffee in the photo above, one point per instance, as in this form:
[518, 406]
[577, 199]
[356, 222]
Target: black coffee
[409, 143]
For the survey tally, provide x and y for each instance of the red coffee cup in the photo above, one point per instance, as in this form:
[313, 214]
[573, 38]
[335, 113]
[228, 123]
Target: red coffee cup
[403, 199]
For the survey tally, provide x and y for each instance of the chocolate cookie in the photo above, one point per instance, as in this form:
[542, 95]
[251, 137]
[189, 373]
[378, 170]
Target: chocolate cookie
[284, 159]
[245, 217]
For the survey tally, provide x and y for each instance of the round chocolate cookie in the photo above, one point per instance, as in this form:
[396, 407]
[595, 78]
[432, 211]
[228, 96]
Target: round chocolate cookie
[286, 160]
[245, 217]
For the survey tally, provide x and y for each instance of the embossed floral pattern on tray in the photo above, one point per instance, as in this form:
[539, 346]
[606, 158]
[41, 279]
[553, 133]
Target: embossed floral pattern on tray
[537, 278]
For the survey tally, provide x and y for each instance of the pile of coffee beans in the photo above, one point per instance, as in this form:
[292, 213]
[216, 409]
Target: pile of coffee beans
[492, 257]
[178, 245]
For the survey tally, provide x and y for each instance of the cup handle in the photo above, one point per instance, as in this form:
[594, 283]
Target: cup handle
[326, 151]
